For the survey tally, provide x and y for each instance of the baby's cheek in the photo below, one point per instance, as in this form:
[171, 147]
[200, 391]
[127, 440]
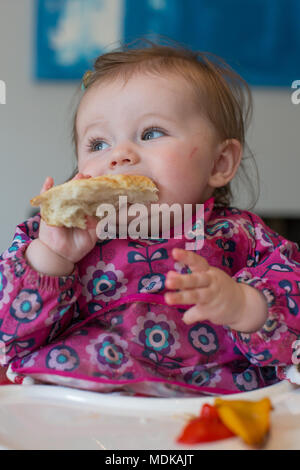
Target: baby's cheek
[193, 153]
[91, 167]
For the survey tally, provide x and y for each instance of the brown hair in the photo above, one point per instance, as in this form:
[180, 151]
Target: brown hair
[226, 96]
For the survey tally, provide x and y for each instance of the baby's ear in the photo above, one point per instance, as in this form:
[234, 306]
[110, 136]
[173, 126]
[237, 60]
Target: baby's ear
[226, 163]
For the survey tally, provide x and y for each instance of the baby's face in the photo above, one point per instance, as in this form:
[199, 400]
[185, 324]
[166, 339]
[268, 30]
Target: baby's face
[149, 126]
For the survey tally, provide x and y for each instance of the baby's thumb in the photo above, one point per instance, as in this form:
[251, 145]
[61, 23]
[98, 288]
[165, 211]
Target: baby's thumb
[91, 222]
[48, 183]
[91, 225]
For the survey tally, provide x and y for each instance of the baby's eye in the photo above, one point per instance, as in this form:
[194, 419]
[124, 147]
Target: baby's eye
[96, 145]
[150, 134]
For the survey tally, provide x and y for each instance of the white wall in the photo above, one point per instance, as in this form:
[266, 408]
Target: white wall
[35, 122]
[35, 128]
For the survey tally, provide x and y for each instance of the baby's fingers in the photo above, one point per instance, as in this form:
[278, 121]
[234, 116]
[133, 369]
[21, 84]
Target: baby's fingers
[193, 315]
[187, 281]
[186, 297]
[81, 176]
[193, 260]
[48, 183]
[91, 221]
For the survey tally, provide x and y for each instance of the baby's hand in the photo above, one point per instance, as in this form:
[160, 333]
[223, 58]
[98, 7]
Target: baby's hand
[215, 295]
[58, 248]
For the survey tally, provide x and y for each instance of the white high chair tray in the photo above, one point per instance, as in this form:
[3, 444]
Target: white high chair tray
[53, 417]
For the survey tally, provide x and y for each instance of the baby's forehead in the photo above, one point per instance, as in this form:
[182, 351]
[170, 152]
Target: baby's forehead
[146, 89]
[141, 94]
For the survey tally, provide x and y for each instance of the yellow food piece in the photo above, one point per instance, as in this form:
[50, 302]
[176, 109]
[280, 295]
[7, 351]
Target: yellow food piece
[248, 419]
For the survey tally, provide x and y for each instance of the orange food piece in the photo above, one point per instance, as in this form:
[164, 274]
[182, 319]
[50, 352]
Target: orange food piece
[248, 419]
[207, 427]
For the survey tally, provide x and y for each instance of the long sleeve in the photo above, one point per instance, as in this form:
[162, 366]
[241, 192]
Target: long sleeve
[34, 307]
[273, 267]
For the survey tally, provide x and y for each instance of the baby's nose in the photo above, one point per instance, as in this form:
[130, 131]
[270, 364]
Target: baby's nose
[123, 157]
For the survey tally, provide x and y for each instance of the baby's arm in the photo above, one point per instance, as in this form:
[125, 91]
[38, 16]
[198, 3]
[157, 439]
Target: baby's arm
[215, 295]
[268, 329]
[44, 260]
[32, 303]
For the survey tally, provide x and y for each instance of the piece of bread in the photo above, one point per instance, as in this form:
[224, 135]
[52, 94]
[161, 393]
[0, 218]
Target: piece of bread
[68, 204]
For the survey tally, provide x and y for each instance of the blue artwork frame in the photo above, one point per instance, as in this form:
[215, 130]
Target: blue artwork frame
[258, 38]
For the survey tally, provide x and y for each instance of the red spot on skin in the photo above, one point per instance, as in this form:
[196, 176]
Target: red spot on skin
[193, 152]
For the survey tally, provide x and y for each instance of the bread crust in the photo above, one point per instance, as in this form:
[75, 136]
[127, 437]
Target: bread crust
[69, 203]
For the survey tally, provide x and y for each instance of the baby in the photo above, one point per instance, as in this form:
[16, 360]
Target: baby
[148, 316]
